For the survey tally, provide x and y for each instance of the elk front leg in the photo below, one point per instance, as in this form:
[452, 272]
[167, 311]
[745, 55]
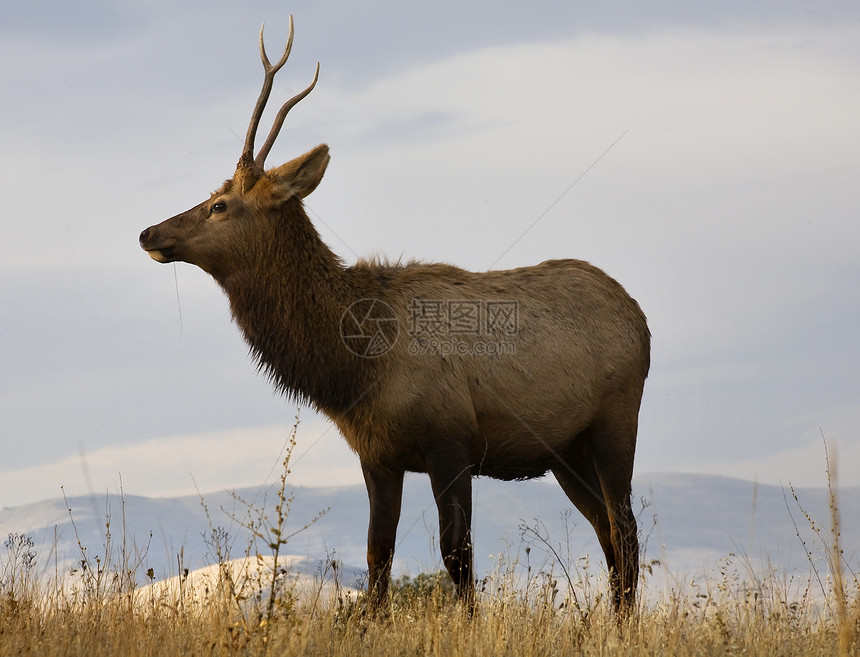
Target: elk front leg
[451, 480]
[385, 491]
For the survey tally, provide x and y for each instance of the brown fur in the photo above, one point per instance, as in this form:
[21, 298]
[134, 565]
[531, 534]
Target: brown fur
[565, 400]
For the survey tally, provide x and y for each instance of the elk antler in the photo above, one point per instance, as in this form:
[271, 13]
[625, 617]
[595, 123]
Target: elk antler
[247, 160]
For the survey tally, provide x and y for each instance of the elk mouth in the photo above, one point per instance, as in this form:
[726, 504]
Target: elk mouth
[163, 254]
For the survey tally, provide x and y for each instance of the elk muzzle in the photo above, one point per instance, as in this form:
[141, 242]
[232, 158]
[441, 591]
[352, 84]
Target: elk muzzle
[158, 249]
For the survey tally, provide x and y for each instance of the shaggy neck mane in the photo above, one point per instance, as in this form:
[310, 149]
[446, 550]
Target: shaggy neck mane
[288, 304]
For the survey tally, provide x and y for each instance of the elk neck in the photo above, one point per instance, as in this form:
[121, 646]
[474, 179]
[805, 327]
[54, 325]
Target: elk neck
[288, 302]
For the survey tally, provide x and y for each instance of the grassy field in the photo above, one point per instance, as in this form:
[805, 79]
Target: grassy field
[254, 606]
[730, 617]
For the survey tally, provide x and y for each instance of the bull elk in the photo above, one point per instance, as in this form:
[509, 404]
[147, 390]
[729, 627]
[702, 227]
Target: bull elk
[427, 367]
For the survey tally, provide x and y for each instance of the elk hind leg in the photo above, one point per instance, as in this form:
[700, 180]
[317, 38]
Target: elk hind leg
[612, 446]
[579, 481]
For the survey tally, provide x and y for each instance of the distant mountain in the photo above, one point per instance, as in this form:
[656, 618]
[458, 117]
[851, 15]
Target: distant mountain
[688, 522]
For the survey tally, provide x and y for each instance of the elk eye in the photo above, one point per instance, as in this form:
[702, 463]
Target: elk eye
[218, 207]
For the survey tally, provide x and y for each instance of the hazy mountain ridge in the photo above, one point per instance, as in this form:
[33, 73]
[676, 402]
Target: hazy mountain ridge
[699, 520]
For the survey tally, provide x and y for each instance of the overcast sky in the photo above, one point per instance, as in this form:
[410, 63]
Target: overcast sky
[725, 200]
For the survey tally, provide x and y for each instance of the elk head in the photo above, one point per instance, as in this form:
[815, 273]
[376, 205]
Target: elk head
[227, 230]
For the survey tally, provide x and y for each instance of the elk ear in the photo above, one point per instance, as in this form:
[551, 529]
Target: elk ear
[299, 177]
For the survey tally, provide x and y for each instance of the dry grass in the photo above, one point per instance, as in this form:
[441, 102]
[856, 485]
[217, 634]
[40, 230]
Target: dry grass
[730, 619]
[253, 607]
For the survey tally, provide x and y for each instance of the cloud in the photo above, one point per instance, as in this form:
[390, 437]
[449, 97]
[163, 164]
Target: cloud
[180, 465]
[801, 466]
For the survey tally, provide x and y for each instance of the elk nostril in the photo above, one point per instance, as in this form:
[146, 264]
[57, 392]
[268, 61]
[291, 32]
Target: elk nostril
[144, 235]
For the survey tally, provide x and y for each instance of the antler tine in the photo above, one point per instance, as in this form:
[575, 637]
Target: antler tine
[260, 160]
[287, 49]
[247, 158]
